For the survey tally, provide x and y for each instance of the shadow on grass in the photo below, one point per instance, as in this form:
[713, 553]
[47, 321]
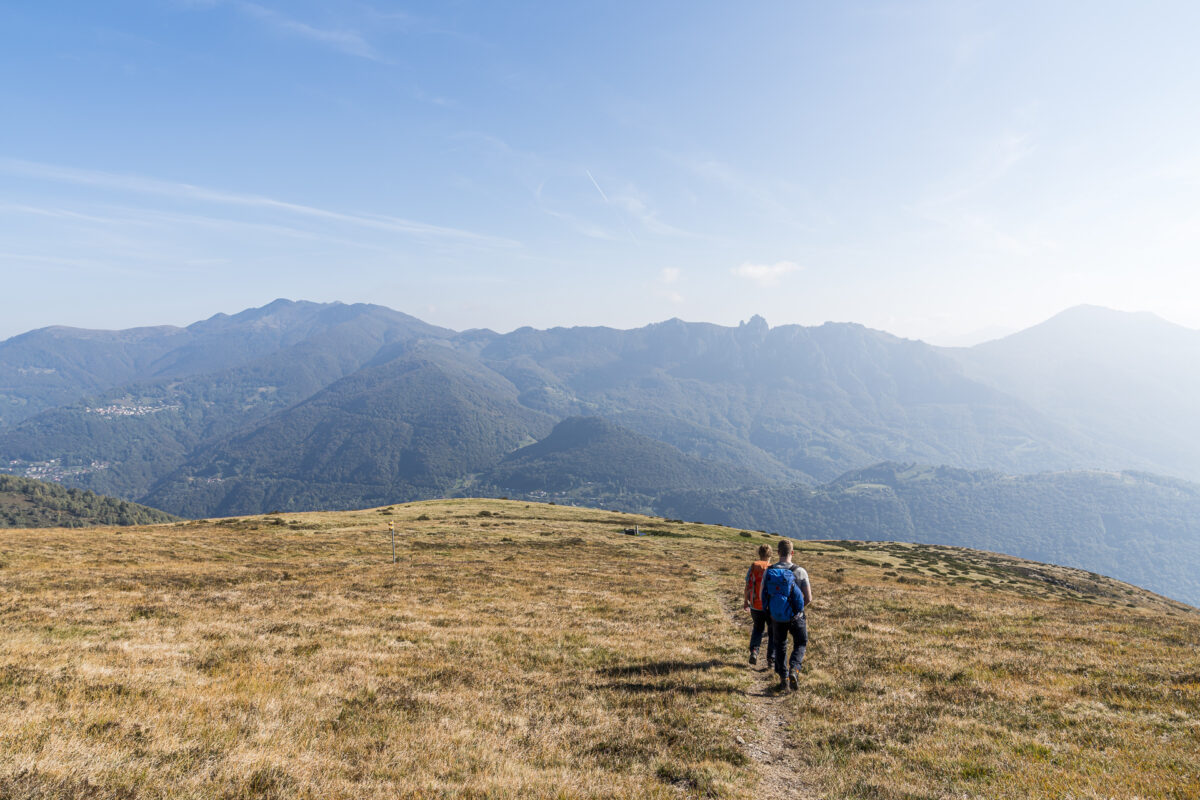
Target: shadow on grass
[664, 668]
[650, 688]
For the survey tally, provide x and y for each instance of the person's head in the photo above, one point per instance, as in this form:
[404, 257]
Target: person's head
[764, 552]
[785, 550]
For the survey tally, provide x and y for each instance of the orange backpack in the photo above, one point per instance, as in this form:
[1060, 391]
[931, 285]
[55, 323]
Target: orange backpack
[757, 570]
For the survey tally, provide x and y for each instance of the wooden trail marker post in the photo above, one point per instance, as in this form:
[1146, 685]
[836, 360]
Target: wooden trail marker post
[392, 530]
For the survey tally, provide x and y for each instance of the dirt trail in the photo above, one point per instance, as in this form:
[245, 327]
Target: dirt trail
[767, 742]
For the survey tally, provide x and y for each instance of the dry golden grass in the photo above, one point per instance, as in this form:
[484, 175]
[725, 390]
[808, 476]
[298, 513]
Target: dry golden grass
[1013, 680]
[524, 650]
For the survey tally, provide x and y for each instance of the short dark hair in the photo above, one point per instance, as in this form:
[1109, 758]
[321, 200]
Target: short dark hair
[764, 551]
[785, 548]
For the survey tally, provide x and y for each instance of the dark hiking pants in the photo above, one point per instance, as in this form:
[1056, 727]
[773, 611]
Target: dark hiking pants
[762, 620]
[798, 628]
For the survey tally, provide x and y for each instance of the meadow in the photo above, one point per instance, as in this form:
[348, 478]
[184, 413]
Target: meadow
[528, 650]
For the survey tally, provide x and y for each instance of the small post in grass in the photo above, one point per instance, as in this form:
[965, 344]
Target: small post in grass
[392, 530]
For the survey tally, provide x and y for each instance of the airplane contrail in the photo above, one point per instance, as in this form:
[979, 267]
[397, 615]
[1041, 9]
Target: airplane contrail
[598, 189]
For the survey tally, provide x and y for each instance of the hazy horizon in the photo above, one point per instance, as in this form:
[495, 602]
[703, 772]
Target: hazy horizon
[939, 171]
[966, 339]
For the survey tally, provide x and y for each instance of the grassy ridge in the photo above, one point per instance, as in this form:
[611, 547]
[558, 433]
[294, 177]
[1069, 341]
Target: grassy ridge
[534, 651]
[944, 673]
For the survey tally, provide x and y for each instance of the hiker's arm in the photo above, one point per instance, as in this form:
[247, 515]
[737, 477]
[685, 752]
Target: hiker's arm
[806, 590]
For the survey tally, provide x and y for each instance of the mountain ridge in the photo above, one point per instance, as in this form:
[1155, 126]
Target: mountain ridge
[300, 405]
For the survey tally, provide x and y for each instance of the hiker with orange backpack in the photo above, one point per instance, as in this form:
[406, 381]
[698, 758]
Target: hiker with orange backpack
[754, 604]
[785, 592]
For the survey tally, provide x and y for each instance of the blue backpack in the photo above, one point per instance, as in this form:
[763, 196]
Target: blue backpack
[778, 585]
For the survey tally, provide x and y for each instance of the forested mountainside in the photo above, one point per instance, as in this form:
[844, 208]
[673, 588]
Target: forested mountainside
[413, 426]
[1140, 528]
[237, 371]
[221, 400]
[301, 406]
[590, 457]
[26, 503]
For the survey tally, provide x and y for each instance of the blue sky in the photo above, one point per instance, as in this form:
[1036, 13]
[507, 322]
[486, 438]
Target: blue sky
[939, 170]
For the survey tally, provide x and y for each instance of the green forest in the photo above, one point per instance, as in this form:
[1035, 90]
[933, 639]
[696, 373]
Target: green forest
[1135, 526]
[27, 503]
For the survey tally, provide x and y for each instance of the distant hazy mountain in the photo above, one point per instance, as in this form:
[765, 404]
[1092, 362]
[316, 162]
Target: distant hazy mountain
[817, 401]
[220, 376]
[1130, 380]
[1141, 528]
[306, 405]
[26, 503]
[771, 404]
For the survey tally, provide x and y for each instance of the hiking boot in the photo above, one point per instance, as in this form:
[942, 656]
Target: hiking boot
[783, 685]
[753, 657]
[793, 681]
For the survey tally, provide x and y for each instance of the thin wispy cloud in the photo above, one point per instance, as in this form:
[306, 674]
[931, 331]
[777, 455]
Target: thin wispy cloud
[632, 201]
[117, 217]
[190, 192]
[582, 226]
[73, 267]
[545, 178]
[55, 213]
[634, 206]
[759, 192]
[994, 161]
[345, 41]
[25, 259]
[962, 203]
[765, 275]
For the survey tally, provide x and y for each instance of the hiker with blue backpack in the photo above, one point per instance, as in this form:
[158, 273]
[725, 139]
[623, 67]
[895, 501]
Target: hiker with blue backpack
[786, 590]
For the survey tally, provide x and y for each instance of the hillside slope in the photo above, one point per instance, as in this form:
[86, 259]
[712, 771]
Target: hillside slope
[1141, 528]
[26, 503]
[61, 366]
[228, 374]
[412, 426]
[527, 650]
[58, 366]
[589, 457]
